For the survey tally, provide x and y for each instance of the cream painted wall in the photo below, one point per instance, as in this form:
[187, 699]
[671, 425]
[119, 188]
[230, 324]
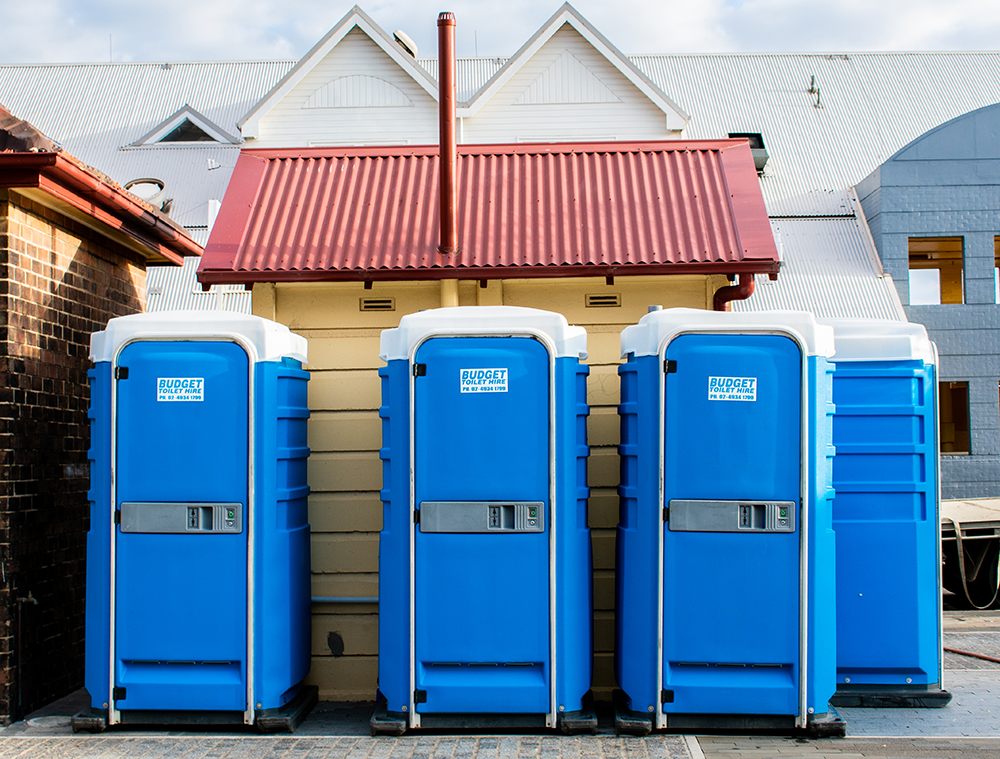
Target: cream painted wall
[345, 473]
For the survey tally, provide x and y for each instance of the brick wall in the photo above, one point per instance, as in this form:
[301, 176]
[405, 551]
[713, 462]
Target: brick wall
[59, 281]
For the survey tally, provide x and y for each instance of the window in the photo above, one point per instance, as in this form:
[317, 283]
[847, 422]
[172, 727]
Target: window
[953, 398]
[187, 131]
[936, 271]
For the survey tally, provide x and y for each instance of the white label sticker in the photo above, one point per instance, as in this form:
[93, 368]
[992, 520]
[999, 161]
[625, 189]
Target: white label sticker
[180, 389]
[732, 388]
[483, 380]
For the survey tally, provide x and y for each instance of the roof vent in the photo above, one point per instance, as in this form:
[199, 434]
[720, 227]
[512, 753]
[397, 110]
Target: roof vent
[604, 300]
[756, 147]
[405, 42]
[377, 304]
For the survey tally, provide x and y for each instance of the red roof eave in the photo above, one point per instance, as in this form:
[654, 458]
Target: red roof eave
[74, 185]
[228, 277]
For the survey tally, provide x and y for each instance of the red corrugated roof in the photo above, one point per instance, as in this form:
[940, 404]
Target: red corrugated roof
[565, 209]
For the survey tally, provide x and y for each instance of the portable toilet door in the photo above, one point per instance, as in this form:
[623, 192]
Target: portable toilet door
[886, 514]
[482, 519]
[181, 621]
[732, 411]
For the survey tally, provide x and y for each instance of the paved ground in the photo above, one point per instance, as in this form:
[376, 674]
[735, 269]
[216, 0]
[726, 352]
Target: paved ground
[423, 747]
[968, 728]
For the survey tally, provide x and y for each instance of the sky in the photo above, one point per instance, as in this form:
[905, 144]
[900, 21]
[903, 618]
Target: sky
[89, 31]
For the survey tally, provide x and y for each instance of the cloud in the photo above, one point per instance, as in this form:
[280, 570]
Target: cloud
[69, 31]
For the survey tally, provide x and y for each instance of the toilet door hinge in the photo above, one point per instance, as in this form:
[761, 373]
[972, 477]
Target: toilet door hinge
[416, 516]
[118, 694]
[121, 372]
[669, 366]
[419, 370]
[420, 697]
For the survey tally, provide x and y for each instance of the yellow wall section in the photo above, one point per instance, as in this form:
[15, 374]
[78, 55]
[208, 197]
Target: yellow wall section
[345, 473]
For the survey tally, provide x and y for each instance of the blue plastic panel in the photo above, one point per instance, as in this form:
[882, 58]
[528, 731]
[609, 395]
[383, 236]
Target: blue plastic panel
[97, 670]
[574, 564]
[394, 539]
[885, 515]
[482, 601]
[283, 605]
[181, 600]
[731, 601]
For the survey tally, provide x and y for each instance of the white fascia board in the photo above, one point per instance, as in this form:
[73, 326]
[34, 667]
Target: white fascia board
[676, 118]
[250, 124]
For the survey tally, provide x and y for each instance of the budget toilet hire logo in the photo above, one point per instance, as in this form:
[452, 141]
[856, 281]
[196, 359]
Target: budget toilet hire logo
[732, 388]
[180, 389]
[483, 380]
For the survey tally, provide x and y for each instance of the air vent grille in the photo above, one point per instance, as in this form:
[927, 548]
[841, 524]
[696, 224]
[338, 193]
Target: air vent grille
[378, 304]
[604, 300]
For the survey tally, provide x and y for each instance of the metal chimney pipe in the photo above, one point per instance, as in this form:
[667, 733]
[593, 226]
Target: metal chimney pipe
[447, 144]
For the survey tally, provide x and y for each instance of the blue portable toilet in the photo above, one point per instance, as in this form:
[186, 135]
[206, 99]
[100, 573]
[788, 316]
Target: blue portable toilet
[886, 514]
[484, 555]
[725, 548]
[198, 574]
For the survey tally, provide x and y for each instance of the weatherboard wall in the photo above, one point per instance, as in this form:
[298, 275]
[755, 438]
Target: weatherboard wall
[345, 473]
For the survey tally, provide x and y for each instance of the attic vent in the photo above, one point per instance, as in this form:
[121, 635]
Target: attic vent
[757, 148]
[187, 131]
[613, 300]
[378, 304]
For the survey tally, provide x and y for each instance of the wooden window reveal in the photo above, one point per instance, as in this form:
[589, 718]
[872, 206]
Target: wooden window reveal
[936, 270]
[953, 398]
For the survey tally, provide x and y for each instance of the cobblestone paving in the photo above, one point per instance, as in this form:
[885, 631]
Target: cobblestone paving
[268, 747]
[980, 642]
[974, 712]
[766, 747]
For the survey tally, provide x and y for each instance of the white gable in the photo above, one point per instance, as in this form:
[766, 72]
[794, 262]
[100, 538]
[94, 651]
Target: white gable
[566, 21]
[567, 90]
[567, 80]
[356, 65]
[355, 94]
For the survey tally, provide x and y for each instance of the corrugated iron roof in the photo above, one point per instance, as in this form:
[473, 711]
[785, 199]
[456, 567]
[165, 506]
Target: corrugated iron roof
[523, 210]
[176, 288]
[868, 106]
[829, 267]
[96, 110]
